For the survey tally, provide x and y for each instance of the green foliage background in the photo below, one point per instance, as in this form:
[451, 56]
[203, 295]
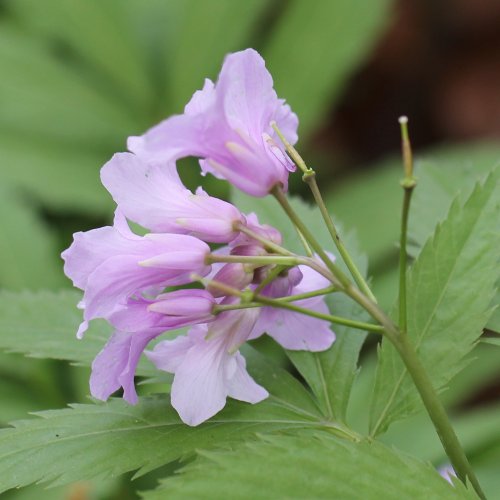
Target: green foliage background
[77, 78]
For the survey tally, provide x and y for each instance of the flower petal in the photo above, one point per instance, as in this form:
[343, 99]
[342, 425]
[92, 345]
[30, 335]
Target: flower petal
[115, 365]
[169, 354]
[296, 331]
[145, 193]
[199, 389]
[243, 387]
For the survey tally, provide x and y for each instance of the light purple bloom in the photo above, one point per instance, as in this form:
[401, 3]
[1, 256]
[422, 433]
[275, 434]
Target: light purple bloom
[137, 323]
[187, 304]
[208, 367]
[114, 367]
[154, 197]
[111, 264]
[293, 330]
[228, 126]
[235, 275]
[263, 230]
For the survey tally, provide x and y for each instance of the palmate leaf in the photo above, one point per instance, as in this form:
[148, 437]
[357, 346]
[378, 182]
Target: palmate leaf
[323, 466]
[438, 184]
[27, 247]
[43, 325]
[330, 374]
[230, 27]
[47, 110]
[315, 47]
[450, 287]
[89, 441]
[43, 170]
[110, 48]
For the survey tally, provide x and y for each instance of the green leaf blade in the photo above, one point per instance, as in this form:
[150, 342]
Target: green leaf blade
[314, 49]
[104, 440]
[446, 309]
[327, 467]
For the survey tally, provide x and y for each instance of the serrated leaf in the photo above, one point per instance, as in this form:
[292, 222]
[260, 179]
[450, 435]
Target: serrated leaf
[44, 324]
[441, 179]
[491, 340]
[308, 465]
[315, 47]
[229, 29]
[27, 247]
[48, 109]
[104, 440]
[450, 287]
[330, 374]
[109, 48]
[60, 176]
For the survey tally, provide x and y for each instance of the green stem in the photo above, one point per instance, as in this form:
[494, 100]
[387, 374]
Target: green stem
[333, 268]
[310, 180]
[271, 275]
[268, 244]
[327, 317]
[260, 260]
[403, 259]
[265, 301]
[307, 295]
[408, 184]
[423, 383]
[437, 412]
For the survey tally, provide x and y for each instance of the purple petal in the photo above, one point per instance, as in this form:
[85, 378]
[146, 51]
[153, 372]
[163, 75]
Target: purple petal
[199, 389]
[246, 89]
[154, 197]
[296, 331]
[241, 386]
[90, 249]
[115, 365]
[169, 354]
[144, 192]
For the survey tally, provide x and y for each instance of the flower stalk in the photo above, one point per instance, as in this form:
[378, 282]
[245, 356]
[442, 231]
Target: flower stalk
[408, 184]
[309, 177]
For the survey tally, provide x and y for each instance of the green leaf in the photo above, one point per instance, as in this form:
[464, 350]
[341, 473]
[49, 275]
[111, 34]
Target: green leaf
[62, 105]
[44, 324]
[441, 179]
[494, 321]
[314, 49]
[450, 287]
[109, 48]
[60, 176]
[308, 465]
[101, 440]
[228, 29]
[491, 340]
[27, 248]
[331, 373]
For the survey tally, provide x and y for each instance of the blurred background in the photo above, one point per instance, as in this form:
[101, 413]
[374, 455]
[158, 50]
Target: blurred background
[79, 76]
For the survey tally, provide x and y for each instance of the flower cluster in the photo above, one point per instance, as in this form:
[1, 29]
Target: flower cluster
[134, 281]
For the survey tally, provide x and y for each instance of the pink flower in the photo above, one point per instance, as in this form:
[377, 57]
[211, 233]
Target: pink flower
[208, 367]
[123, 275]
[154, 197]
[137, 323]
[228, 126]
[112, 264]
